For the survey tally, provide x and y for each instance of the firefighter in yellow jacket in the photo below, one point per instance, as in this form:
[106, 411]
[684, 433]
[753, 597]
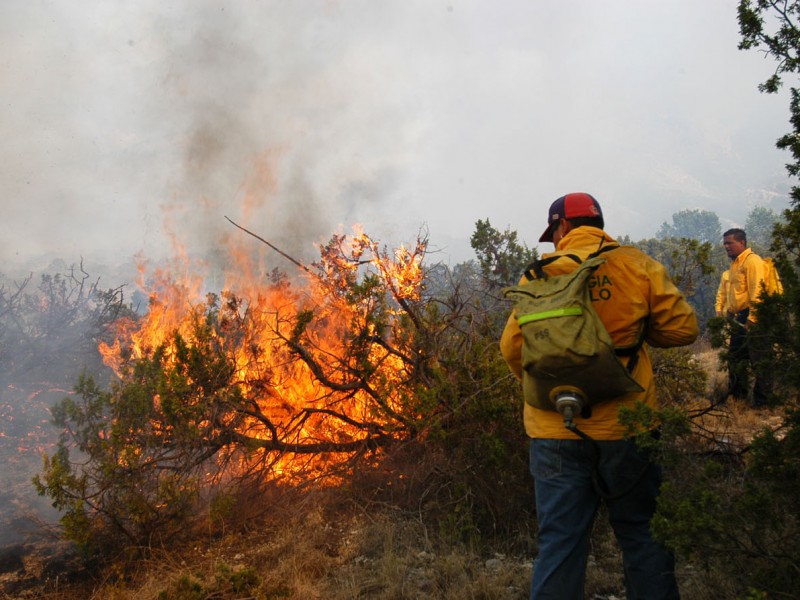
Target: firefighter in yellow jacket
[632, 294]
[748, 275]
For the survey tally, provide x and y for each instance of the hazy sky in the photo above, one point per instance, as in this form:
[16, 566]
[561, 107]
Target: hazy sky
[125, 121]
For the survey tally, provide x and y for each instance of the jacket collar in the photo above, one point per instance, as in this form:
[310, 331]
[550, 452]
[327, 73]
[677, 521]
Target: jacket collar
[589, 238]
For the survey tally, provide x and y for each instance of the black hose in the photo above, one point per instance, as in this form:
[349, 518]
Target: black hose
[597, 480]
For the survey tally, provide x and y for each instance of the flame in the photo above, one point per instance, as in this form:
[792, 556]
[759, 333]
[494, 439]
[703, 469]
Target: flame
[268, 327]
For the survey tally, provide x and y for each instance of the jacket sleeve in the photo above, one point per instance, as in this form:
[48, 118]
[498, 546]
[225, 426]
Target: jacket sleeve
[722, 294]
[511, 345]
[672, 320]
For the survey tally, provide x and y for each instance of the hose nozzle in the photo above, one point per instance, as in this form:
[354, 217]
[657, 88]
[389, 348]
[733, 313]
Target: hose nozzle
[569, 402]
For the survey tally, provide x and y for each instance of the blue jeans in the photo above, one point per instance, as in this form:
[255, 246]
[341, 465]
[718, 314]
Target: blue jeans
[566, 505]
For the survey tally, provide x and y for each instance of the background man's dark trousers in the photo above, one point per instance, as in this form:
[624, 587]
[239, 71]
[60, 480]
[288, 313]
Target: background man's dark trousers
[747, 350]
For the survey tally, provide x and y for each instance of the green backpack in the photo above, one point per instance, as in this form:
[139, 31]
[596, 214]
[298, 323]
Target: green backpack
[566, 347]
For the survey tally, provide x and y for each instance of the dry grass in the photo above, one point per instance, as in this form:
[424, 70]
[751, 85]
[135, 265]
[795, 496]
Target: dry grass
[721, 419]
[383, 555]
[321, 551]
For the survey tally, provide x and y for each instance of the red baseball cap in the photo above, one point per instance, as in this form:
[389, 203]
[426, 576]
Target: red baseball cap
[573, 205]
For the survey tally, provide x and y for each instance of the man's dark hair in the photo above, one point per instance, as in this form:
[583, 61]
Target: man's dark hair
[579, 222]
[588, 221]
[738, 234]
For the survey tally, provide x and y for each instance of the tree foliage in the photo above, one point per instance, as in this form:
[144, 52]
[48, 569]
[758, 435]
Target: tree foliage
[733, 512]
[49, 332]
[501, 256]
[759, 226]
[700, 225]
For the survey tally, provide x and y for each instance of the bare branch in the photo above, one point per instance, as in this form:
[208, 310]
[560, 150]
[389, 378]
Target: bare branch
[273, 246]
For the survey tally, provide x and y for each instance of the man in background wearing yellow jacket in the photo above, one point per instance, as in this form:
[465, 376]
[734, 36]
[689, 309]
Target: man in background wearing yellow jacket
[632, 293]
[747, 280]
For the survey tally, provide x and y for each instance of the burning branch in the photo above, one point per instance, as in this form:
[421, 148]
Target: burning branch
[278, 250]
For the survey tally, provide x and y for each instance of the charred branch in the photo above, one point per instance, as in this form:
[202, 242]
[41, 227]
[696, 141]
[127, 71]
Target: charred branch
[371, 442]
[273, 246]
[357, 385]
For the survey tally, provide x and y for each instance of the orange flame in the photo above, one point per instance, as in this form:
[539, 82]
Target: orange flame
[257, 324]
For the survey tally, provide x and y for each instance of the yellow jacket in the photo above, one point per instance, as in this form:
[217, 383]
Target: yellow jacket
[629, 288]
[747, 274]
[721, 305]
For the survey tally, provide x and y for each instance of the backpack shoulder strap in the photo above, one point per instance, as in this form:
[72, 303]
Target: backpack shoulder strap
[632, 351]
[535, 270]
[603, 249]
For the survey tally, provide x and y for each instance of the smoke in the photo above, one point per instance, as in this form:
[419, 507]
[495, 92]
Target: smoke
[134, 126]
[270, 114]
[143, 125]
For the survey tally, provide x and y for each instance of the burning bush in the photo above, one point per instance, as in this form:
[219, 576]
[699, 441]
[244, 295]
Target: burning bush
[271, 381]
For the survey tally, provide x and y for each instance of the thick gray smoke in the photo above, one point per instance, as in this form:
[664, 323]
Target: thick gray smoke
[126, 123]
[146, 124]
